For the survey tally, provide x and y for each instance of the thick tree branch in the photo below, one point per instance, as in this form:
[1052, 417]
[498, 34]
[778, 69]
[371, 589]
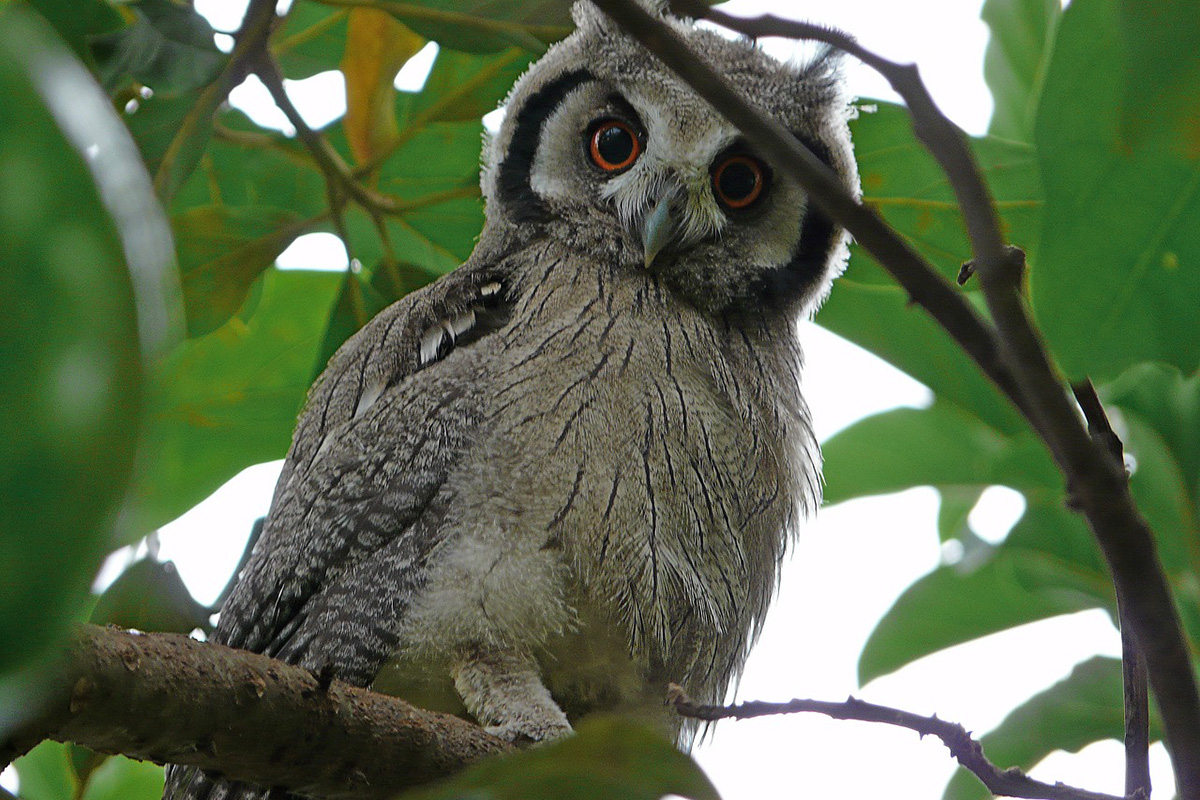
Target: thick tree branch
[1012, 354]
[967, 750]
[168, 698]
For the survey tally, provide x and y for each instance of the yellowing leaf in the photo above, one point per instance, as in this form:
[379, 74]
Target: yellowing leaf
[376, 48]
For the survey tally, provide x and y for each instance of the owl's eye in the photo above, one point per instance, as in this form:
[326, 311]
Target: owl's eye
[738, 181]
[613, 145]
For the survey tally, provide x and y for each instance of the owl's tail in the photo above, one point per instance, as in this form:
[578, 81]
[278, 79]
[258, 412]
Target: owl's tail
[193, 783]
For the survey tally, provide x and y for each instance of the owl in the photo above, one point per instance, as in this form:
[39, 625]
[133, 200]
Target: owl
[564, 474]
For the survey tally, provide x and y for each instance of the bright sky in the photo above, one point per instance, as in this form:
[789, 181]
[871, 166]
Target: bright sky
[850, 563]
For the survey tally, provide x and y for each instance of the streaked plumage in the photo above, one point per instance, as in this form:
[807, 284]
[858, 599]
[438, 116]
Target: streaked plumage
[558, 477]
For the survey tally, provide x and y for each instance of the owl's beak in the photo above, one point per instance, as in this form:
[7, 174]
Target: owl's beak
[658, 228]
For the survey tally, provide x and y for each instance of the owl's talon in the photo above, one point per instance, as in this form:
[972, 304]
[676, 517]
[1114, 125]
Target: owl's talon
[520, 734]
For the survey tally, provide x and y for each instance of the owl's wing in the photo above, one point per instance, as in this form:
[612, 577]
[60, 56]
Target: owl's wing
[355, 512]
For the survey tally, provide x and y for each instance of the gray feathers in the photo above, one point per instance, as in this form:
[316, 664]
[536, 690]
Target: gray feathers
[565, 474]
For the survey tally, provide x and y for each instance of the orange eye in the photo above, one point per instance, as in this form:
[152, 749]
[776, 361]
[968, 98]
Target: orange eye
[613, 145]
[738, 181]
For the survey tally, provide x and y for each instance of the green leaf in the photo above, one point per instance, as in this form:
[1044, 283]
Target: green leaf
[84, 761]
[956, 505]
[909, 447]
[1169, 403]
[436, 172]
[377, 46]
[45, 773]
[222, 251]
[311, 39]
[120, 778]
[246, 166]
[485, 26]
[1161, 495]
[78, 21]
[1162, 72]
[69, 329]
[1085, 707]
[1047, 566]
[608, 757]
[1015, 61]
[169, 47]
[902, 182]
[437, 169]
[186, 148]
[462, 87]
[150, 596]
[155, 123]
[880, 319]
[225, 401]
[940, 446]
[1115, 277]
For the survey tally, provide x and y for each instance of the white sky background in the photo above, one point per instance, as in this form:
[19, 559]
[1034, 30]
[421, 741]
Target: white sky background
[852, 562]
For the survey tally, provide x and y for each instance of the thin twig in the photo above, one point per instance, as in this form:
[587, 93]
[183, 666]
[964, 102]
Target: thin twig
[255, 30]
[1099, 426]
[328, 159]
[966, 749]
[1137, 710]
[1133, 663]
[1012, 355]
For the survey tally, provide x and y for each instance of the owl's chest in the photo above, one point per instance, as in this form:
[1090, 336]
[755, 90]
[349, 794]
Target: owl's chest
[615, 390]
[631, 441]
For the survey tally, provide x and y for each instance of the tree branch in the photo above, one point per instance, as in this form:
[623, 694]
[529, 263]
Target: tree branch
[255, 30]
[337, 172]
[168, 698]
[925, 286]
[1012, 354]
[967, 750]
[1133, 663]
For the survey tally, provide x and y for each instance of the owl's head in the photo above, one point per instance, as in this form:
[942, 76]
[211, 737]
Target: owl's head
[604, 149]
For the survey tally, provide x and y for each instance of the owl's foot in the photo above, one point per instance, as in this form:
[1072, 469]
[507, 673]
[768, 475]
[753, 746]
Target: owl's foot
[506, 690]
[524, 733]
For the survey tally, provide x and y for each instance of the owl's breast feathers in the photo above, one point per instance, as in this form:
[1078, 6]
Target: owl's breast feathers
[504, 467]
[651, 458]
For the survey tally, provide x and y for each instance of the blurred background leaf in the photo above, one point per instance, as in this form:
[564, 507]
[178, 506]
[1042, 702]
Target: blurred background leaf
[608, 757]
[70, 342]
[150, 596]
[224, 401]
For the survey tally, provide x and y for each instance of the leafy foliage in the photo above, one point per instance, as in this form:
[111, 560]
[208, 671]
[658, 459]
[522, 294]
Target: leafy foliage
[1093, 157]
[55, 771]
[1078, 710]
[1105, 206]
